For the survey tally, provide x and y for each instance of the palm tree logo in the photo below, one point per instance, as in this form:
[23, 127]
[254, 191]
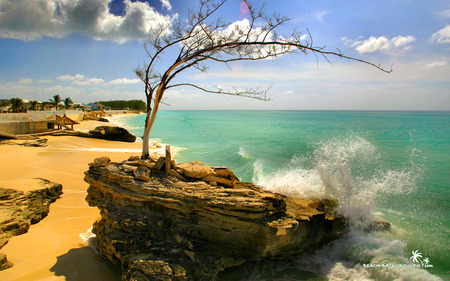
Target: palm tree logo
[416, 256]
[426, 261]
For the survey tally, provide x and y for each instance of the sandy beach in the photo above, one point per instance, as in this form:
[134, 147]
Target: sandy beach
[54, 249]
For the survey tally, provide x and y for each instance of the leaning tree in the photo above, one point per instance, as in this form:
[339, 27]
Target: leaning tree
[205, 38]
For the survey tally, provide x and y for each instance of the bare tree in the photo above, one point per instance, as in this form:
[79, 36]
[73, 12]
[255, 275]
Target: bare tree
[204, 39]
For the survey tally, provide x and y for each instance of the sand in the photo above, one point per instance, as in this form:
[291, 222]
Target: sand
[54, 248]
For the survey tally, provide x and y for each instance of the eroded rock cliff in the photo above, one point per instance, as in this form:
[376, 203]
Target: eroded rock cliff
[19, 209]
[161, 221]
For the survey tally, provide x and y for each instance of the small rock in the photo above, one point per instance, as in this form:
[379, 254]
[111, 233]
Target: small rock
[159, 164]
[134, 158]
[218, 181]
[177, 175]
[100, 162]
[146, 163]
[194, 169]
[226, 173]
[128, 169]
[142, 173]
[4, 263]
[153, 157]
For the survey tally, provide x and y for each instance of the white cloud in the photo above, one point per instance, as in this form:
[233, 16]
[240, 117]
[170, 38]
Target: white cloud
[372, 44]
[442, 36]
[45, 81]
[399, 41]
[89, 82]
[320, 15]
[445, 14]
[30, 20]
[436, 64]
[382, 43]
[24, 80]
[70, 77]
[124, 81]
[166, 4]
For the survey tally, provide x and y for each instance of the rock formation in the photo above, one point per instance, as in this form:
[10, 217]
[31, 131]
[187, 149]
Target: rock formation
[26, 141]
[113, 133]
[20, 209]
[161, 221]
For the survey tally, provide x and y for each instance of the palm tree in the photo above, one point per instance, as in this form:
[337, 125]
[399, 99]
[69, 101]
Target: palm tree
[16, 104]
[55, 101]
[67, 103]
[416, 256]
[33, 104]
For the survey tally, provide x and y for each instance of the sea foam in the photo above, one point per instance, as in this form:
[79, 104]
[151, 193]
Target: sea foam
[346, 169]
[350, 170]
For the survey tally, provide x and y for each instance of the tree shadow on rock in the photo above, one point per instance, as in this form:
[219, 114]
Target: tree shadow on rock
[83, 264]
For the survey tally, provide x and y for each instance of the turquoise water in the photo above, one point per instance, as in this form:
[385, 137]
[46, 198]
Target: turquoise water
[389, 165]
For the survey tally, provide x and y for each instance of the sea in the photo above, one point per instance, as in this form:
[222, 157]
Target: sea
[378, 165]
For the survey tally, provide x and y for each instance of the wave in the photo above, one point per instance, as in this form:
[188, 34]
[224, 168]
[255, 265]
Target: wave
[346, 169]
[349, 169]
[90, 239]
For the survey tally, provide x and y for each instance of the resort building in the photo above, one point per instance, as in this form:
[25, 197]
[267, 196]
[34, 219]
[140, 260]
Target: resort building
[33, 122]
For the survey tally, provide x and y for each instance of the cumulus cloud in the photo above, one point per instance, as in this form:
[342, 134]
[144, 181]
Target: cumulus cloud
[122, 81]
[89, 82]
[442, 36]
[374, 44]
[80, 79]
[166, 4]
[70, 77]
[30, 20]
[436, 64]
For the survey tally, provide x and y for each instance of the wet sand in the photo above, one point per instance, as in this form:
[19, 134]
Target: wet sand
[53, 249]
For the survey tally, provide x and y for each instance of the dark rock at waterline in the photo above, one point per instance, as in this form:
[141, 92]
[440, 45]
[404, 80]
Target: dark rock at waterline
[112, 133]
[20, 209]
[166, 223]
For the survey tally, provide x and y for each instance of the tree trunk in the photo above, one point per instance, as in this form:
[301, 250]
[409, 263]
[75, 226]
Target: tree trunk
[146, 137]
[151, 116]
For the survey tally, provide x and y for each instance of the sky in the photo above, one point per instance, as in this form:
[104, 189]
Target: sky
[88, 49]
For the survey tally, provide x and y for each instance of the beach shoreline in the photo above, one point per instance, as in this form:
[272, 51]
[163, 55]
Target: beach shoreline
[55, 248]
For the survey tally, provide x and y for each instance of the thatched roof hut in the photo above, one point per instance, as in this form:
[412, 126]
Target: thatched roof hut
[66, 121]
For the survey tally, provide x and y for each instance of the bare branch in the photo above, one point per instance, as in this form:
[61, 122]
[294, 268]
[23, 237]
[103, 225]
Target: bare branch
[253, 93]
[205, 38]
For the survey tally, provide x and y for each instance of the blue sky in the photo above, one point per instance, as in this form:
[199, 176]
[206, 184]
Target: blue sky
[87, 50]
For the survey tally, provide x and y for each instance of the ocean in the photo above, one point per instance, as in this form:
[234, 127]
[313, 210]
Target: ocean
[378, 165]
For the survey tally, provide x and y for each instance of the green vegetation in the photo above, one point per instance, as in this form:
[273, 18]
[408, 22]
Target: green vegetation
[67, 103]
[125, 104]
[16, 104]
[55, 101]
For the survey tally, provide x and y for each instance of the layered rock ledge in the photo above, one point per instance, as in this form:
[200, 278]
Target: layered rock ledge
[161, 221]
[19, 209]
